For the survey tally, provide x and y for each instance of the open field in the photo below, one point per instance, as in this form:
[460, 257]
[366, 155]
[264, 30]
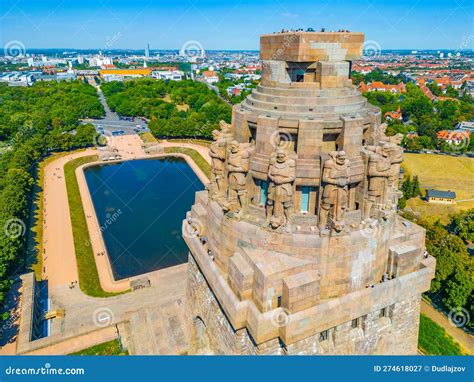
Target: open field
[442, 172]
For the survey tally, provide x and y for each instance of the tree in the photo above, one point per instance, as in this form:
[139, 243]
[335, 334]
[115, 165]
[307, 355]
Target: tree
[462, 225]
[459, 288]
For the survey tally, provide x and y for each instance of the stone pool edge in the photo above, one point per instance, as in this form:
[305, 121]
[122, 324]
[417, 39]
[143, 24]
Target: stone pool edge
[103, 265]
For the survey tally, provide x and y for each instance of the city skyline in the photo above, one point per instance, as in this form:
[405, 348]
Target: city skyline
[118, 25]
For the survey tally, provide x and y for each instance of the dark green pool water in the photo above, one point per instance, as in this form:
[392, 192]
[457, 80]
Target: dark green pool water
[140, 206]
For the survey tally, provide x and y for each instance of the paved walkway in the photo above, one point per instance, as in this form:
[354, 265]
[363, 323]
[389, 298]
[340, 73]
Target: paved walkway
[86, 318]
[59, 257]
[459, 335]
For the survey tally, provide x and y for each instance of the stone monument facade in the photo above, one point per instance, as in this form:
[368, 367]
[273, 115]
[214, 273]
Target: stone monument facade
[296, 247]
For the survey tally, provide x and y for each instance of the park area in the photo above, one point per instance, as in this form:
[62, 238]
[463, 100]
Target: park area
[442, 172]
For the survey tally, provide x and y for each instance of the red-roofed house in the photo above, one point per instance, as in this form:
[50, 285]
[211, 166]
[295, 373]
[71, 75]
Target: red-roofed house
[391, 115]
[455, 137]
[210, 76]
[380, 86]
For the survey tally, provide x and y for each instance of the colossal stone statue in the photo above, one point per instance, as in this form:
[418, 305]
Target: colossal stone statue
[282, 173]
[395, 154]
[335, 179]
[378, 172]
[217, 153]
[237, 168]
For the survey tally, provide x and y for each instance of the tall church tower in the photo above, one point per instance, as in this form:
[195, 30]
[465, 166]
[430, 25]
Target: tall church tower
[296, 246]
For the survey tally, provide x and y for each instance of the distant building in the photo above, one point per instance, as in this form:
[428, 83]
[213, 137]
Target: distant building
[469, 126]
[17, 78]
[100, 61]
[426, 91]
[394, 115]
[454, 137]
[437, 196]
[233, 91]
[412, 135]
[381, 87]
[122, 74]
[210, 76]
[172, 75]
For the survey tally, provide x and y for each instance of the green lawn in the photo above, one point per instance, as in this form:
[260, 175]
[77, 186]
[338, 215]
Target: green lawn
[88, 276]
[195, 156]
[107, 348]
[433, 339]
[148, 137]
[201, 142]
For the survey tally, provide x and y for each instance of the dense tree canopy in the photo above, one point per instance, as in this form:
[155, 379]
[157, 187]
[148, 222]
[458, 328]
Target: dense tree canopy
[158, 101]
[453, 284]
[34, 121]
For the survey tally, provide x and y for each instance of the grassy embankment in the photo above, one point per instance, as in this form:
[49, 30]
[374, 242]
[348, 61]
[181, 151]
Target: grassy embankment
[88, 276]
[200, 142]
[148, 137]
[433, 339]
[441, 172]
[107, 348]
[194, 155]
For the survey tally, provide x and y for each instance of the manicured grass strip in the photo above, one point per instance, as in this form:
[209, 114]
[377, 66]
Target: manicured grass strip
[88, 276]
[195, 156]
[201, 142]
[107, 348]
[433, 339]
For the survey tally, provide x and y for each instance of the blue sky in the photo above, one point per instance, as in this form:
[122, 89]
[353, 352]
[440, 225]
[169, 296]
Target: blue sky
[411, 24]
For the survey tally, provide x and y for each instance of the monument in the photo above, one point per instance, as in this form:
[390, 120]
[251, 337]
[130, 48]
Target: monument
[298, 247]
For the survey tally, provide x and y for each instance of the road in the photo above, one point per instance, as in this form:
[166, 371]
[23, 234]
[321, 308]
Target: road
[112, 122]
[215, 89]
